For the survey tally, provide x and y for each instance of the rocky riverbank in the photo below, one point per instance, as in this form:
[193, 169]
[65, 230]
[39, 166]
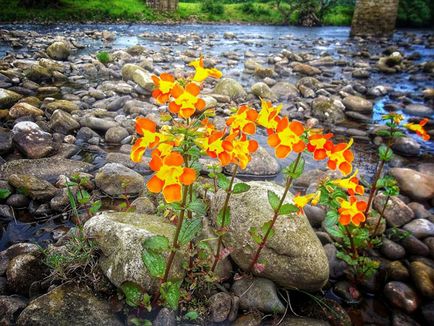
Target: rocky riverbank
[65, 113]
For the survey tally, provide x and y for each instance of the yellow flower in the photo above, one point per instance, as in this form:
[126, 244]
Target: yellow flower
[352, 211]
[242, 148]
[418, 128]
[146, 128]
[243, 120]
[351, 184]
[186, 101]
[268, 117]
[164, 85]
[340, 157]
[203, 73]
[287, 138]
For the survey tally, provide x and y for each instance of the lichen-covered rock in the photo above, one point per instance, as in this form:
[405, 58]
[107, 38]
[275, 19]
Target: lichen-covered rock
[63, 105]
[326, 109]
[120, 238]
[62, 122]
[263, 91]
[284, 90]
[115, 179]
[66, 305]
[24, 109]
[32, 141]
[22, 271]
[230, 87]
[58, 51]
[8, 98]
[293, 257]
[10, 307]
[35, 188]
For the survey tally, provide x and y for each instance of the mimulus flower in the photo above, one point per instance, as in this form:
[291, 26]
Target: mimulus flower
[164, 85]
[395, 117]
[287, 138]
[301, 201]
[352, 211]
[418, 129]
[341, 157]
[217, 147]
[268, 117]
[186, 101]
[170, 176]
[319, 144]
[243, 120]
[351, 184]
[242, 148]
[150, 138]
[203, 73]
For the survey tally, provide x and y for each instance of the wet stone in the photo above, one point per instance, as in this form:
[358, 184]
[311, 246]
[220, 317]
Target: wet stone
[401, 296]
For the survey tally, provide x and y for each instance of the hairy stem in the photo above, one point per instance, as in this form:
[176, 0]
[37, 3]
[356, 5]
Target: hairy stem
[225, 207]
[381, 215]
[353, 247]
[275, 216]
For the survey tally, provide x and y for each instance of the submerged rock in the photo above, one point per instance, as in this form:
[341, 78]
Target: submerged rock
[230, 87]
[293, 257]
[120, 238]
[402, 296]
[68, 304]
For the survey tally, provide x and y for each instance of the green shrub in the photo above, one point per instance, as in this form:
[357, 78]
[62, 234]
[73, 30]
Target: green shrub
[251, 8]
[414, 13]
[39, 3]
[213, 7]
[103, 57]
[339, 16]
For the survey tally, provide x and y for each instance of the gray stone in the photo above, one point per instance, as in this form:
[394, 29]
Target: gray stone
[98, 124]
[120, 238]
[261, 164]
[22, 271]
[337, 267]
[143, 79]
[66, 305]
[115, 179]
[63, 105]
[44, 168]
[62, 122]
[32, 141]
[165, 317]
[414, 246]
[14, 251]
[416, 185]
[10, 307]
[8, 98]
[34, 187]
[230, 87]
[5, 141]
[397, 213]
[293, 257]
[258, 294]
[418, 110]
[406, 146]
[402, 296]
[220, 305]
[358, 104]
[284, 90]
[263, 91]
[116, 134]
[392, 250]
[420, 228]
[24, 109]
[143, 205]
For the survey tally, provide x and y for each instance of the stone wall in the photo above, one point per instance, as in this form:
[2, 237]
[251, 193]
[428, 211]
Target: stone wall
[374, 17]
[163, 5]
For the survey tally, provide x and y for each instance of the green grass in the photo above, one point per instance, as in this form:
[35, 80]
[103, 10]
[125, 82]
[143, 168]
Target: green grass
[339, 16]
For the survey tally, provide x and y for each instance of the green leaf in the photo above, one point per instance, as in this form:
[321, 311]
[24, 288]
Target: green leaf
[154, 262]
[397, 134]
[273, 199]
[383, 133]
[294, 171]
[265, 227]
[72, 202]
[157, 243]
[331, 218]
[170, 294]
[286, 209]
[223, 221]
[385, 153]
[189, 230]
[4, 193]
[240, 188]
[96, 206]
[197, 206]
[191, 315]
[222, 181]
[133, 293]
[255, 235]
[83, 197]
[334, 231]
[346, 258]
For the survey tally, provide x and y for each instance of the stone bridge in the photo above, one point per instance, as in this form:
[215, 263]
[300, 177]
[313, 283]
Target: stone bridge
[163, 4]
[374, 17]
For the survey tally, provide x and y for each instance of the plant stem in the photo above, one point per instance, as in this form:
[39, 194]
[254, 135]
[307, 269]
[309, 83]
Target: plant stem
[275, 216]
[225, 207]
[175, 244]
[381, 215]
[353, 247]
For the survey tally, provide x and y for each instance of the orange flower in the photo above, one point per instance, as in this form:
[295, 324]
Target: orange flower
[418, 128]
[352, 211]
[340, 157]
[351, 184]
[301, 201]
[268, 117]
[170, 176]
[319, 144]
[217, 147]
[244, 120]
[287, 138]
[164, 85]
[203, 73]
[146, 128]
[242, 148]
[186, 101]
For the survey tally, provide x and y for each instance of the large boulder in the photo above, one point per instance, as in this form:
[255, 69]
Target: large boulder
[58, 51]
[293, 257]
[8, 98]
[115, 179]
[68, 304]
[120, 238]
[230, 87]
[44, 168]
[417, 185]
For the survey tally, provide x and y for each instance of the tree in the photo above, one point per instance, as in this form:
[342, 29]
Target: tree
[310, 12]
[40, 3]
